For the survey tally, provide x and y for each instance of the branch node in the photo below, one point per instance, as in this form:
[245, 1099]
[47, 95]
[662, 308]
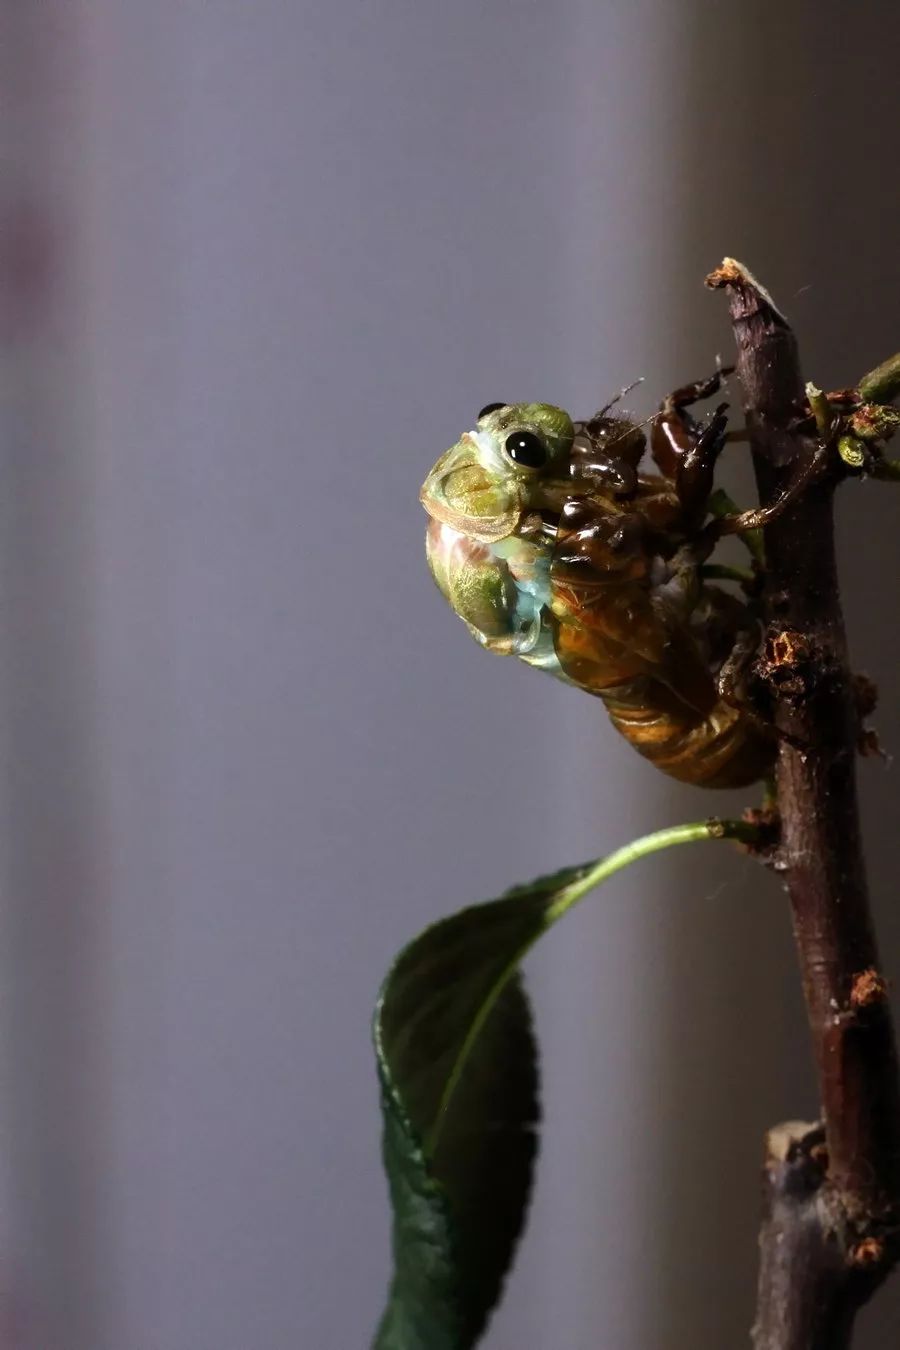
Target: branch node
[787, 662]
[870, 1252]
[868, 988]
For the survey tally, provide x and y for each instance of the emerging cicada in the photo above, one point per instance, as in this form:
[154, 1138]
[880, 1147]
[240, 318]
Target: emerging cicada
[551, 545]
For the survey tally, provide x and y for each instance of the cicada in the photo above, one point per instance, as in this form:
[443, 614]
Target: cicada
[552, 544]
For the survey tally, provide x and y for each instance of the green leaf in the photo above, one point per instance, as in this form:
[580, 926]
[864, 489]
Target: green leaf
[458, 1069]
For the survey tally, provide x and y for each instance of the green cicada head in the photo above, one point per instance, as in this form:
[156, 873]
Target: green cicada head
[486, 483]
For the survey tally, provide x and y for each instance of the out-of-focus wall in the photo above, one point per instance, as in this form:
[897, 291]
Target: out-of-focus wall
[259, 266]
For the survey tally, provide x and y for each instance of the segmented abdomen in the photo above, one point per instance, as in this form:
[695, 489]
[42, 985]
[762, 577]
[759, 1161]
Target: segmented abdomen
[723, 749]
[626, 640]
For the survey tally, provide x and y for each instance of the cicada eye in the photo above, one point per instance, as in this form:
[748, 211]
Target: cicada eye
[489, 408]
[527, 449]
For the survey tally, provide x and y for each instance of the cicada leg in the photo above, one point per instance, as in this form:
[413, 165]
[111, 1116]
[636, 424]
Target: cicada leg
[735, 677]
[674, 431]
[685, 450]
[758, 517]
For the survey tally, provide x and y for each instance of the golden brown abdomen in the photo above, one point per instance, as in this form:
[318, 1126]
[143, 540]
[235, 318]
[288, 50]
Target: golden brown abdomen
[723, 749]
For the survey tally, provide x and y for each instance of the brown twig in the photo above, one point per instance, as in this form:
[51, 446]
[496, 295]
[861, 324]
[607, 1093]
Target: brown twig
[830, 1234]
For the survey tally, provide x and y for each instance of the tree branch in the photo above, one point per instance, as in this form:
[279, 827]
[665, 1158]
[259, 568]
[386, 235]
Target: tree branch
[830, 1235]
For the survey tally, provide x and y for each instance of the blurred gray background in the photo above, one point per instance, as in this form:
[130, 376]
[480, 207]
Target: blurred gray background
[259, 265]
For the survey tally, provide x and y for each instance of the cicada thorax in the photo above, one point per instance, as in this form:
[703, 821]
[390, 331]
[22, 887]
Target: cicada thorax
[626, 631]
[605, 453]
[604, 466]
[616, 621]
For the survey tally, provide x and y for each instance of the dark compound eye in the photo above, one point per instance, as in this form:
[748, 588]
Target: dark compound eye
[489, 408]
[524, 447]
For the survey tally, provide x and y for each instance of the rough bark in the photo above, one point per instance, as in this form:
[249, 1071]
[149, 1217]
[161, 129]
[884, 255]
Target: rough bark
[830, 1232]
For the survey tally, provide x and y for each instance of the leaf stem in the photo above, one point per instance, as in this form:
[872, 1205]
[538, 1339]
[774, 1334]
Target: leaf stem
[594, 875]
[724, 572]
[821, 409]
[642, 848]
[882, 385]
